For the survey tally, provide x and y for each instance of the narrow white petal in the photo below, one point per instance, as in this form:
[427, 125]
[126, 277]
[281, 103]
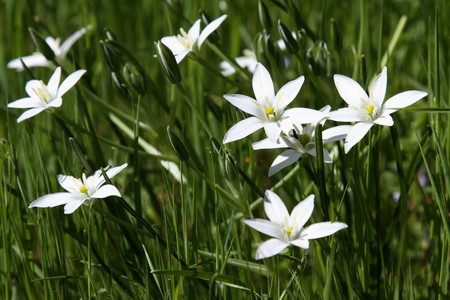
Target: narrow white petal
[29, 113]
[288, 92]
[69, 183]
[323, 229]
[180, 56]
[326, 155]
[268, 144]
[300, 115]
[210, 29]
[336, 133]
[53, 83]
[263, 85]
[31, 88]
[72, 206]
[52, 200]
[266, 227]
[242, 129]
[106, 191]
[68, 43]
[379, 87]
[275, 208]
[346, 114]
[302, 212]
[194, 31]
[270, 248]
[300, 243]
[350, 90]
[273, 130]
[246, 104]
[70, 81]
[384, 120]
[227, 68]
[283, 160]
[356, 134]
[115, 170]
[404, 99]
[173, 44]
[35, 60]
[55, 103]
[26, 103]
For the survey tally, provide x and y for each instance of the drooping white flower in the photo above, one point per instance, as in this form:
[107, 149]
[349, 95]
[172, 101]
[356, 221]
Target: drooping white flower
[80, 190]
[45, 96]
[184, 43]
[301, 140]
[368, 110]
[248, 60]
[289, 229]
[268, 110]
[38, 59]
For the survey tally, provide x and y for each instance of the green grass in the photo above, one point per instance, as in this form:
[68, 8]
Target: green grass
[178, 230]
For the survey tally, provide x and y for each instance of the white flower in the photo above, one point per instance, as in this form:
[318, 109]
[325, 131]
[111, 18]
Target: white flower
[288, 229]
[368, 110]
[38, 59]
[247, 61]
[268, 109]
[301, 140]
[80, 190]
[45, 96]
[184, 43]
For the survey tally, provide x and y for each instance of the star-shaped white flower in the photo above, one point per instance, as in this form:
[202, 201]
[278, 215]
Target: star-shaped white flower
[301, 140]
[184, 43]
[45, 96]
[288, 229]
[80, 190]
[248, 60]
[371, 109]
[38, 59]
[268, 109]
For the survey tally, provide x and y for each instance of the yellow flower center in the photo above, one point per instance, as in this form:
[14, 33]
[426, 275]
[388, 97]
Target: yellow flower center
[270, 110]
[304, 139]
[289, 231]
[83, 190]
[370, 110]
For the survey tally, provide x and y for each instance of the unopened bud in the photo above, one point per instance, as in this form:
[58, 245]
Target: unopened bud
[168, 62]
[290, 42]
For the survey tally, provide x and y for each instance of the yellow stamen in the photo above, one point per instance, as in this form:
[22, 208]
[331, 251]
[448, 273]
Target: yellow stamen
[289, 231]
[304, 139]
[370, 110]
[270, 110]
[83, 190]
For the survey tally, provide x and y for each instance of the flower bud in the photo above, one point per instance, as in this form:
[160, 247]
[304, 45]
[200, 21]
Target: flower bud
[264, 16]
[135, 78]
[178, 145]
[111, 55]
[119, 84]
[168, 62]
[41, 44]
[288, 39]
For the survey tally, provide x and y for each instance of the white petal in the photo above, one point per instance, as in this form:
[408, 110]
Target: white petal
[55, 103]
[263, 85]
[273, 130]
[270, 248]
[268, 144]
[288, 93]
[72, 206]
[69, 183]
[179, 57]
[384, 120]
[283, 160]
[68, 43]
[323, 229]
[301, 115]
[302, 212]
[106, 191]
[356, 134]
[350, 90]
[210, 29]
[242, 129]
[246, 104]
[404, 99]
[52, 200]
[32, 86]
[326, 155]
[346, 114]
[300, 243]
[30, 113]
[70, 81]
[379, 87]
[35, 60]
[336, 133]
[194, 31]
[27, 103]
[173, 44]
[266, 227]
[227, 68]
[97, 179]
[275, 208]
[53, 83]
[115, 170]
